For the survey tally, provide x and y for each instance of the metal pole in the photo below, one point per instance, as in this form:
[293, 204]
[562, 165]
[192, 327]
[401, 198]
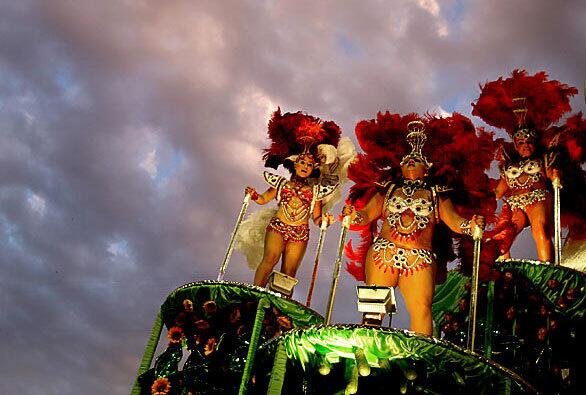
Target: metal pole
[337, 265]
[320, 245]
[557, 236]
[489, 320]
[243, 209]
[477, 236]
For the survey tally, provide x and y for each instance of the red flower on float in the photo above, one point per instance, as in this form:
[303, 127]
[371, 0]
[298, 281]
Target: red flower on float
[284, 322]
[210, 346]
[161, 386]
[235, 315]
[188, 305]
[175, 335]
[210, 307]
[202, 325]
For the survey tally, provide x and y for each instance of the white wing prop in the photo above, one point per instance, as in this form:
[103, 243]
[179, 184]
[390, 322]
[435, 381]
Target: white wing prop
[336, 168]
[250, 238]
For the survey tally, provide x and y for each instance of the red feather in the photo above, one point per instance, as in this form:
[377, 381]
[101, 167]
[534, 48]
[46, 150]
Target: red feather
[293, 133]
[546, 101]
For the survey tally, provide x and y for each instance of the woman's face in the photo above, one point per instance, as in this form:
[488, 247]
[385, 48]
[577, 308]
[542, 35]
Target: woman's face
[525, 147]
[304, 166]
[413, 168]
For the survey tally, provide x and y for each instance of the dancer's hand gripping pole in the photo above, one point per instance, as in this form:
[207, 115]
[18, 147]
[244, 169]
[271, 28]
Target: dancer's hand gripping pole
[243, 209]
[557, 221]
[337, 265]
[320, 245]
[477, 236]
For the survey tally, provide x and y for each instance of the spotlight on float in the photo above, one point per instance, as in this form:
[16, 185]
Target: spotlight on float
[374, 302]
[282, 283]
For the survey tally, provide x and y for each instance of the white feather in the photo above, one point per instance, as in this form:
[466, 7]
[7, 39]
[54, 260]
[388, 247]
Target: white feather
[250, 237]
[345, 153]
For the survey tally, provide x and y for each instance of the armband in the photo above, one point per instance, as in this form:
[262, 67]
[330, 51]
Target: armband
[465, 228]
[358, 219]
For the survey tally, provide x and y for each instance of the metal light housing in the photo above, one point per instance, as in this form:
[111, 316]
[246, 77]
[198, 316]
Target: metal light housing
[282, 283]
[374, 302]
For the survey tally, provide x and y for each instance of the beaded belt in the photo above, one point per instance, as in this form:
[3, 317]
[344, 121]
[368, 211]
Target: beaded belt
[293, 233]
[388, 256]
[526, 199]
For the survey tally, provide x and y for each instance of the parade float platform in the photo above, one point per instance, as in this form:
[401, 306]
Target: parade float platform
[530, 333]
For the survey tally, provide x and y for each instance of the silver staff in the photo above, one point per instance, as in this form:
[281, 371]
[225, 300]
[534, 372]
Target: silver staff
[337, 265]
[557, 222]
[320, 245]
[245, 203]
[477, 236]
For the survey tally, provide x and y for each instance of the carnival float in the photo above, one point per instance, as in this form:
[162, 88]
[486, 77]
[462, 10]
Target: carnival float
[421, 196]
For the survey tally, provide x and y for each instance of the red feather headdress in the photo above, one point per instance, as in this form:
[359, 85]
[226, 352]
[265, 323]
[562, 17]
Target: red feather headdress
[545, 101]
[296, 133]
[460, 155]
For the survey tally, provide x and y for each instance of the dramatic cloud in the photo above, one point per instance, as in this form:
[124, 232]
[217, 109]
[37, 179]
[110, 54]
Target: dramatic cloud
[128, 130]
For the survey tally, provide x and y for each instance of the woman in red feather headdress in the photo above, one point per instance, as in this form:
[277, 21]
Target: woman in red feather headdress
[526, 106]
[419, 196]
[317, 159]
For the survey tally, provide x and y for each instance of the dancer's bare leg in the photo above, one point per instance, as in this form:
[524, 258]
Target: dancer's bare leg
[377, 276]
[274, 245]
[417, 290]
[292, 257]
[541, 219]
[520, 221]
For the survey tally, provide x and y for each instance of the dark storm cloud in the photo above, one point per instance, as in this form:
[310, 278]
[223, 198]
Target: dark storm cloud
[128, 129]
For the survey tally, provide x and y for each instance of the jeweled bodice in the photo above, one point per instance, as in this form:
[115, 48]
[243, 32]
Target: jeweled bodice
[408, 211]
[524, 174]
[296, 201]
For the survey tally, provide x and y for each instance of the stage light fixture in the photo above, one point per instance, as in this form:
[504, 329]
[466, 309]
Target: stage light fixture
[282, 283]
[374, 302]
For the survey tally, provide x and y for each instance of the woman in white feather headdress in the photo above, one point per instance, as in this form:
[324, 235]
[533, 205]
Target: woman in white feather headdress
[317, 158]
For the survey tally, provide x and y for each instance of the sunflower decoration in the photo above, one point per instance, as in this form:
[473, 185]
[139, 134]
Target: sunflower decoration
[188, 305]
[210, 307]
[161, 386]
[210, 346]
[175, 335]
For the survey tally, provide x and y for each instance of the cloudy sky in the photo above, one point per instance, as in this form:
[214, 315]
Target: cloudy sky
[128, 129]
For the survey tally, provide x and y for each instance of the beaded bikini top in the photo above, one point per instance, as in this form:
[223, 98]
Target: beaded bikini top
[286, 190]
[296, 190]
[421, 208]
[530, 167]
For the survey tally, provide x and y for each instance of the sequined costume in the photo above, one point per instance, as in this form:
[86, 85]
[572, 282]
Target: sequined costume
[290, 233]
[297, 201]
[534, 174]
[387, 255]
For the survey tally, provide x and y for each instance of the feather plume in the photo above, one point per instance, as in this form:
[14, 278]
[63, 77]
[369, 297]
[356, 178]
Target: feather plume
[546, 101]
[294, 133]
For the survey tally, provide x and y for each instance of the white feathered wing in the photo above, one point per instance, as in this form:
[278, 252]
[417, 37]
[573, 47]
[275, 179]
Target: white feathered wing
[250, 237]
[345, 153]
